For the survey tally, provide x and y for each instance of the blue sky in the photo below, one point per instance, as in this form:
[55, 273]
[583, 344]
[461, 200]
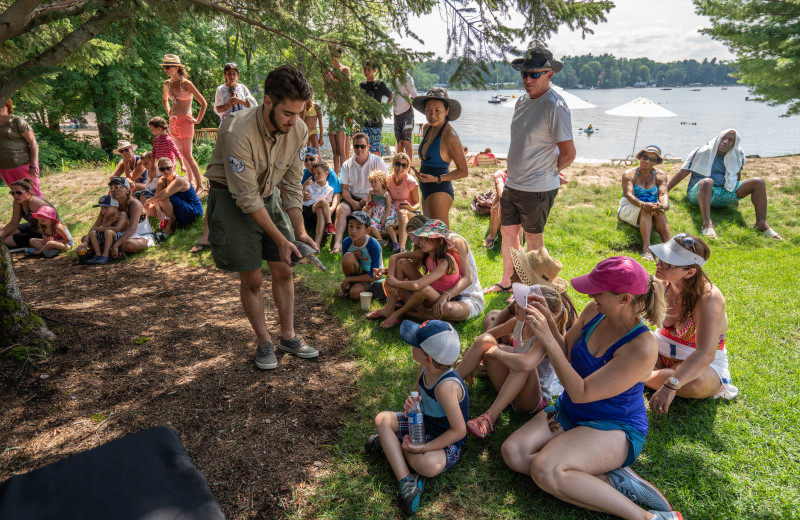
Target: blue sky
[662, 30]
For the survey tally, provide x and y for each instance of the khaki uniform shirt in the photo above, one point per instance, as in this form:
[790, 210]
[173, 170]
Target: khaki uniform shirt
[251, 163]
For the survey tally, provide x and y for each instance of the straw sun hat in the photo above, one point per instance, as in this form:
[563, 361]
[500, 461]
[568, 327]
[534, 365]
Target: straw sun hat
[172, 60]
[123, 144]
[538, 266]
[439, 93]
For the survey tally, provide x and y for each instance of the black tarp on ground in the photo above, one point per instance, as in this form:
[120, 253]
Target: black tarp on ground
[146, 475]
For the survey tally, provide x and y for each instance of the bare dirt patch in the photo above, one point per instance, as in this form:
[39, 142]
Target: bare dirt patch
[141, 345]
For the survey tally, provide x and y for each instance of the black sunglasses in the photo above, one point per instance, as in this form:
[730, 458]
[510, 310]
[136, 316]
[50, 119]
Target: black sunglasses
[309, 158]
[648, 158]
[686, 241]
[667, 266]
[12, 193]
[535, 75]
[399, 164]
[359, 146]
[165, 168]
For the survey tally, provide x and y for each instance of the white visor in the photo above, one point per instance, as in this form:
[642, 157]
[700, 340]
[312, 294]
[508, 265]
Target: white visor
[673, 253]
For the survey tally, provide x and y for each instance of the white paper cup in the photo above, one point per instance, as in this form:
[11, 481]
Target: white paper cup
[366, 300]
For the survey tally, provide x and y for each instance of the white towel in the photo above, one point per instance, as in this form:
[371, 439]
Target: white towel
[701, 161]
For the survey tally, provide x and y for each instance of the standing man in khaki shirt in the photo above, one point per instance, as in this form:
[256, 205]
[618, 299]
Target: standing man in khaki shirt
[249, 218]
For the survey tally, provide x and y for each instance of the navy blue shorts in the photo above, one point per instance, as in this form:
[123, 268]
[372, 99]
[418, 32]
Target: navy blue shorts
[452, 452]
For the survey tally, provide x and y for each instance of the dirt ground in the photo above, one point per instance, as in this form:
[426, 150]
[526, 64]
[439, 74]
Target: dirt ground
[140, 346]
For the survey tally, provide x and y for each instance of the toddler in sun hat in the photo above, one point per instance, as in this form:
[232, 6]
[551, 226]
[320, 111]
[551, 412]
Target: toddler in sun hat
[435, 346]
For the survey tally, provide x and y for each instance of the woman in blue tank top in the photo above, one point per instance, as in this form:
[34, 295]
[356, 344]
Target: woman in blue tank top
[175, 199]
[578, 449]
[440, 145]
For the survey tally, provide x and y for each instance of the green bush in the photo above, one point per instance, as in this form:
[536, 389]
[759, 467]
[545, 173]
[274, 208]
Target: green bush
[57, 148]
[202, 152]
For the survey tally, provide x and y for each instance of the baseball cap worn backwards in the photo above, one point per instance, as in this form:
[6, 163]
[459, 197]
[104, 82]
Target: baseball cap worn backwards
[618, 274]
[436, 338]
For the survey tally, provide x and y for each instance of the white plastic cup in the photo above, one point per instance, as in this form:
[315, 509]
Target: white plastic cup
[366, 300]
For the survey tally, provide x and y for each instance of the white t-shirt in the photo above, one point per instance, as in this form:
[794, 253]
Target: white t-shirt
[319, 193]
[537, 126]
[401, 104]
[357, 177]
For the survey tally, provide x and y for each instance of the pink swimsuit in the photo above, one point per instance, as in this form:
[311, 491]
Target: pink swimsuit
[447, 281]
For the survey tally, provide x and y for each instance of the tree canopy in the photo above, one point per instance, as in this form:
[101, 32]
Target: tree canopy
[764, 36]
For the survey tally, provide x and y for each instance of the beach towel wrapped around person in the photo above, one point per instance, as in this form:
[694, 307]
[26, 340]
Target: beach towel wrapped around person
[702, 159]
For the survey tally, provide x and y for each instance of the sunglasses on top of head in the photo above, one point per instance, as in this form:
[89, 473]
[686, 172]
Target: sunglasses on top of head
[534, 75]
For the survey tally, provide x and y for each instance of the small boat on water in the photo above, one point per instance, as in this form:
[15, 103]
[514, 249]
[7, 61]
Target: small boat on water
[666, 88]
[695, 90]
[497, 99]
[724, 88]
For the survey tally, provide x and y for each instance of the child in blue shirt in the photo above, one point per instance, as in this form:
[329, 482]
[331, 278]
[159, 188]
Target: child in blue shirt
[445, 405]
[362, 257]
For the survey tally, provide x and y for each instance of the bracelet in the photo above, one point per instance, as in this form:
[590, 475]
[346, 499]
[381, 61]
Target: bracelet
[670, 387]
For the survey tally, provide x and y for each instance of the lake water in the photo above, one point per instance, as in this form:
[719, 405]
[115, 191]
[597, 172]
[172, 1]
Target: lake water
[707, 112]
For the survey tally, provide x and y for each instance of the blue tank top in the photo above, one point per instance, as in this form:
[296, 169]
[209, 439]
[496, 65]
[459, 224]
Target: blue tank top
[627, 407]
[432, 163]
[187, 204]
[645, 194]
[436, 422]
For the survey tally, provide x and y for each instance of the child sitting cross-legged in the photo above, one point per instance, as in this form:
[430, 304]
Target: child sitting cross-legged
[55, 235]
[107, 229]
[437, 257]
[445, 406]
[520, 372]
[318, 207]
[362, 259]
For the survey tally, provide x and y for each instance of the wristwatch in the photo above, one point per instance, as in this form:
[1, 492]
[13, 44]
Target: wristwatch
[439, 179]
[674, 382]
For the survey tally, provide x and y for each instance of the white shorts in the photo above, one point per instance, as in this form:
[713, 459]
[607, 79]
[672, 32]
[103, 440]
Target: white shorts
[475, 305]
[149, 237]
[627, 212]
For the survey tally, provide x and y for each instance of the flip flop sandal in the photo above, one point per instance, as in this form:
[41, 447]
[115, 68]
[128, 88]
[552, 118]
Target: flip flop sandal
[389, 324]
[481, 426]
[488, 243]
[709, 233]
[771, 233]
[500, 288]
[199, 247]
[375, 315]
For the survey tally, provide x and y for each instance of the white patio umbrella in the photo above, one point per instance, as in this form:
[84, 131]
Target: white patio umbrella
[573, 101]
[640, 107]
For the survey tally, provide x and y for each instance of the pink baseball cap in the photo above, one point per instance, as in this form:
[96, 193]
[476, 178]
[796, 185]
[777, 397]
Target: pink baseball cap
[619, 274]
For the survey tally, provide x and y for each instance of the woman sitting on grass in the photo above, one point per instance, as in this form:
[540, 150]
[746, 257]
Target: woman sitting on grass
[55, 235]
[579, 448]
[139, 235]
[175, 199]
[516, 370]
[16, 233]
[437, 257]
[692, 358]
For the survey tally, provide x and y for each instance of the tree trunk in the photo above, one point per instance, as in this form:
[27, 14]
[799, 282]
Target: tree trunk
[19, 328]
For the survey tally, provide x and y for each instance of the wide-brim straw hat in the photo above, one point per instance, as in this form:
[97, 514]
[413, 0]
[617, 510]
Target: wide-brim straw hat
[439, 93]
[172, 60]
[537, 266]
[122, 144]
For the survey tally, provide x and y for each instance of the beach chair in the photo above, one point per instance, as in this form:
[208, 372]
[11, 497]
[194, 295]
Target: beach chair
[628, 161]
[484, 161]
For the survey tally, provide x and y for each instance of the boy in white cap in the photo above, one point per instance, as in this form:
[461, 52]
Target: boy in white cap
[445, 404]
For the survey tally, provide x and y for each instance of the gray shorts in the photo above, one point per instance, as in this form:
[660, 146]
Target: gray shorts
[238, 244]
[529, 208]
[404, 125]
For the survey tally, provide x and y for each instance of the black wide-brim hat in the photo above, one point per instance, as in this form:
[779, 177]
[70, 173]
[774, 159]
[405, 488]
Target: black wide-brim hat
[537, 58]
[439, 93]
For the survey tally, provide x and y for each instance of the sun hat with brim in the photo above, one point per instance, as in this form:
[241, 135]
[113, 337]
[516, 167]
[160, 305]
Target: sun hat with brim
[123, 144]
[172, 60]
[46, 211]
[433, 228]
[537, 58]
[652, 149]
[672, 253]
[439, 93]
[538, 267]
[618, 274]
[436, 338]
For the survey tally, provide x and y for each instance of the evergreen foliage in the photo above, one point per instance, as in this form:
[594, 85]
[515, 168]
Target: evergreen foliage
[764, 36]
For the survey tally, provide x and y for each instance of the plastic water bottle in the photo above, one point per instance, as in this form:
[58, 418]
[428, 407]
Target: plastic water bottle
[416, 422]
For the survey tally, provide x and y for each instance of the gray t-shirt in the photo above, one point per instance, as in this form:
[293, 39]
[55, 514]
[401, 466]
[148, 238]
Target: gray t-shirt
[537, 126]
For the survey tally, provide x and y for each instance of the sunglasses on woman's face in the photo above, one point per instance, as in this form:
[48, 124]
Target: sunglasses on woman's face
[126, 150]
[165, 168]
[12, 193]
[400, 165]
[648, 158]
[116, 187]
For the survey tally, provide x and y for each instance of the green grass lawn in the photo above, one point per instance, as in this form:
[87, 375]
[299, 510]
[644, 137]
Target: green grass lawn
[712, 459]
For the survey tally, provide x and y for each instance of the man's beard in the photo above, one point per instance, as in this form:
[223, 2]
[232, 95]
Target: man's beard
[274, 123]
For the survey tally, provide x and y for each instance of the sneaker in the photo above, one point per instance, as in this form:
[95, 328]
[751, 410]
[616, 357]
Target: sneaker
[265, 357]
[298, 347]
[383, 242]
[667, 515]
[329, 229]
[99, 260]
[411, 488]
[395, 247]
[31, 251]
[373, 444]
[637, 489]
